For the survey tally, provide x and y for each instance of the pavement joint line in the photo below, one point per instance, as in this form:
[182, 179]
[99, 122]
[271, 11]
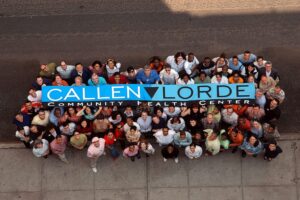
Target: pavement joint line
[294, 146]
[147, 179]
[242, 180]
[188, 179]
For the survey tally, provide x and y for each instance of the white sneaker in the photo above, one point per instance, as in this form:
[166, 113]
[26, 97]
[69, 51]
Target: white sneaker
[94, 169]
[176, 160]
[165, 160]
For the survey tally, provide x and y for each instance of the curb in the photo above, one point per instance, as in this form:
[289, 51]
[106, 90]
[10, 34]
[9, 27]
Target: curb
[20, 145]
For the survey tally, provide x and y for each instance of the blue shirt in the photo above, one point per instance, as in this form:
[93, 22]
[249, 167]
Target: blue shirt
[255, 150]
[238, 67]
[252, 59]
[151, 79]
[101, 81]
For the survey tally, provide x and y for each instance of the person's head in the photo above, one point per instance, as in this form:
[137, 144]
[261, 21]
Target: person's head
[78, 80]
[111, 63]
[110, 134]
[171, 108]
[88, 110]
[133, 129]
[115, 115]
[206, 61]
[117, 77]
[247, 55]
[144, 115]
[58, 79]
[234, 131]
[34, 129]
[213, 136]
[159, 111]
[63, 65]
[272, 145]
[235, 60]
[84, 123]
[264, 79]
[193, 122]
[250, 79]
[131, 148]
[256, 124]
[39, 80]
[256, 108]
[271, 128]
[182, 135]
[192, 147]
[155, 60]
[32, 92]
[130, 71]
[225, 69]
[147, 70]
[260, 60]
[28, 105]
[19, 117]
[191, 57]
[42, 114]
[97, 65]
[229, 111]
[167, 68]
[274, 103]
[65, 125]
[251, 68]
[128, 109]
[202, 75]
[165, 131]
[179, 57]
[268, 66]
[58, 139]
[170, 148]
[252, 139]
[96, 141]
[236, 77]
[175, 120]
[71, 111]
[219, 76]
[76, 135]
[95, 78]
[221, 60]
[259, 93]
[277, 89]
[198, 136]
[38, 143]
[209, 118]
[185, 78]
[57, 112]
[129, 121]
[155, 119]
[44, 68]
[79, 67]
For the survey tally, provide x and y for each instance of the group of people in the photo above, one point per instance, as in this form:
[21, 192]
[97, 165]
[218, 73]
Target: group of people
[198, 130]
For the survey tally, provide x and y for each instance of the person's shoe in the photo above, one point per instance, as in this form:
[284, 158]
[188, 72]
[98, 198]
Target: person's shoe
[244, 154]
[65, 160]
[165, 160]
[104, 153]
[176, 160]
[94, 169]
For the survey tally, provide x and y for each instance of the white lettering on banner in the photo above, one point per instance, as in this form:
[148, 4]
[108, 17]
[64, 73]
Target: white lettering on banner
[98, 94]
[49, 95]
[114, 91]
[138, 94]
[84, 95]
[72, 94]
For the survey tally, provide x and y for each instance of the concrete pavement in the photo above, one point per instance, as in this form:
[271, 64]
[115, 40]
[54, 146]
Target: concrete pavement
[226, 176]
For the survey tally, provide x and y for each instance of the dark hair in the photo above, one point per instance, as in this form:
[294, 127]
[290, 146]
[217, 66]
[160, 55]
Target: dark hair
[97, 62]
[114, 115]
[219, 74]
[178, 54]
[166, 65]
[192, 144]
[250, 134]
[272, 142]
[153, 58]
[130, 68]
[191, 54]
[175, 118]
[247, 51]
[259, 57]
[116, 73]
[133, 128]
[203, 72]
[77, 64]
[234, 57]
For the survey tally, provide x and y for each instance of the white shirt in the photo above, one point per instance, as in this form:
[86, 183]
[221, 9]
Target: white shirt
[188, 66]
[168, 78]
[181, 82]
[39, 152]
[94, 151]
[65, 74]
[111, 72]
[196, 154]
[38, 97]
[126, 127]
[171, 61]
[173, 114]
[224, 80]
[164, 140]
[149, 150]
[70, 130]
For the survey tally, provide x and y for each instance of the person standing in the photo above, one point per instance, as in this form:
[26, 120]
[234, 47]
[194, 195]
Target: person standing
[95, 150]
[58, 146]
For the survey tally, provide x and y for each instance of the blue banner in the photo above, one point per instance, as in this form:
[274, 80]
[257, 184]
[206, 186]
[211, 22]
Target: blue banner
[149, 93]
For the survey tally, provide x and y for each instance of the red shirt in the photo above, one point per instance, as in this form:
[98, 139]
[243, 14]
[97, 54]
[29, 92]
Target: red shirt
[109, 141]
[123, 80]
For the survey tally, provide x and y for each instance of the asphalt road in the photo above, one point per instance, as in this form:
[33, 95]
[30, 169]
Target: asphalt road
[35, 32]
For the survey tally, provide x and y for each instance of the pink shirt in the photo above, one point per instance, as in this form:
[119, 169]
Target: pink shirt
[127, 153]
[59, 148]
[94, 151]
